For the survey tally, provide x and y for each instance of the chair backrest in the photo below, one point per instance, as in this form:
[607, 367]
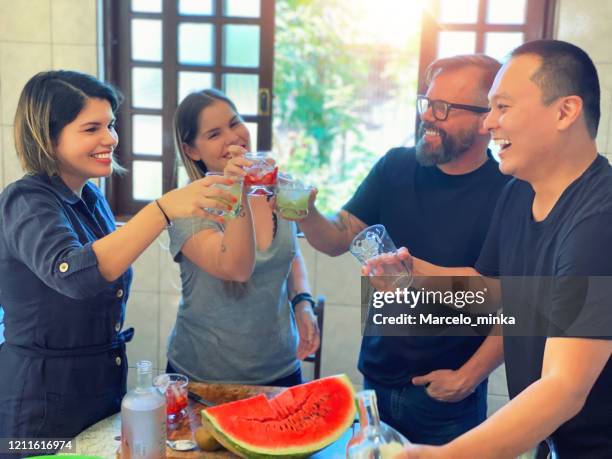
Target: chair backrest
[315, 358]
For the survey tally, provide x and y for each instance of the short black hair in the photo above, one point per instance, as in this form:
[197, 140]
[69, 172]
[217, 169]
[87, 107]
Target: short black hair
[565, 70]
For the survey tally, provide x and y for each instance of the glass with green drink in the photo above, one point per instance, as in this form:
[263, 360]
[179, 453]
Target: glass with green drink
[292, 197]
[235, 189]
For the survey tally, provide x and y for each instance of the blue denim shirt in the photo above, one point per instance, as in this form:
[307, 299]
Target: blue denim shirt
[63, 362]
[50, 286]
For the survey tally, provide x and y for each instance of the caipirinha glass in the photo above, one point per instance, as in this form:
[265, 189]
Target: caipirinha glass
[440, 108]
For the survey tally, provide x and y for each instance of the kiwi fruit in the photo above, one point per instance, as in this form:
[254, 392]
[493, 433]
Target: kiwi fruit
[205, 440]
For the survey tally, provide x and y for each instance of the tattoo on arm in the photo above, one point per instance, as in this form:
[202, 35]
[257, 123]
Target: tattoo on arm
[341, 222]
[348, 225]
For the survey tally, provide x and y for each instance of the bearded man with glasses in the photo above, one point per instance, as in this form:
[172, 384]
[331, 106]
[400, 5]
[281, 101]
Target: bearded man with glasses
[436, 198]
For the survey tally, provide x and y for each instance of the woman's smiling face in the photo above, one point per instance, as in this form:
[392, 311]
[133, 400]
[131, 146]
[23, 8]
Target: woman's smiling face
[219, 127]
[85, 146]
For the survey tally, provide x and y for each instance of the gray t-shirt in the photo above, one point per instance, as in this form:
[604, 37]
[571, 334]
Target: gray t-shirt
[219, 338]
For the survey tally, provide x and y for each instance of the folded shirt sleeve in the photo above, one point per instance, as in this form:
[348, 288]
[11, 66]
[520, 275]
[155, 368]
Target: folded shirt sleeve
[39, 233]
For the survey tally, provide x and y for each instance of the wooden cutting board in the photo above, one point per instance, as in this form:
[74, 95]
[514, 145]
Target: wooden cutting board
[223, 393]
[217, 393]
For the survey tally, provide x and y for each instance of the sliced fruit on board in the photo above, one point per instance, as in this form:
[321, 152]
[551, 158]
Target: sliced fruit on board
[296, 423]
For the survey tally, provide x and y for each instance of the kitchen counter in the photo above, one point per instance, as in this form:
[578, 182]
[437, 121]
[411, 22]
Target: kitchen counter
[102, 439]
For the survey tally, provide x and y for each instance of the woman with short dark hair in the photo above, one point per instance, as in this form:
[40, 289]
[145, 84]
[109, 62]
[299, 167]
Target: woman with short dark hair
[64, 268]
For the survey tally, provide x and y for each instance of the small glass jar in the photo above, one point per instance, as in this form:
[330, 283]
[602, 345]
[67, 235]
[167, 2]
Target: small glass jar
[373, 440]
[174, 387]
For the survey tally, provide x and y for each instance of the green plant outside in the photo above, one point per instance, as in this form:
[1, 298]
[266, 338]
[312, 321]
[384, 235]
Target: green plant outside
[321, 82]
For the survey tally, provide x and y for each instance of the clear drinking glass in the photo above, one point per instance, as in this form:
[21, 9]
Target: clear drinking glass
[373, 440]
[261, 176]
[235, 190]
[174, 387]
[374, 241]
[292, 197]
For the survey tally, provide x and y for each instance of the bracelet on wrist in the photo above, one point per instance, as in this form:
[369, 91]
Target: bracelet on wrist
[304, 296]
[168, 221]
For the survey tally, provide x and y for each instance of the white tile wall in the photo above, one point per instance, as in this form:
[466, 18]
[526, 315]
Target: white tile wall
[586, 23]
[18, 63]
[25, 21]
[82, 58]
[170, 282]
[11, 169]
[497, 382]
[309, 259]
[74, 22]
[604, 141]
[167, 318]
[143, 315]
[338, 279]
[341, 340]
[2, 135]
[495, 402]
[146, 270]
[38, 35]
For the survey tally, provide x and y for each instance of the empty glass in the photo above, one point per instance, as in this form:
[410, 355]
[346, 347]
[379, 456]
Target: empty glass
[374, 241]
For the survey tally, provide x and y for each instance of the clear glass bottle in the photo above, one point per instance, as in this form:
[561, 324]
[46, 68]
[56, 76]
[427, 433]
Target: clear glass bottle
[373, 440]
[143, 418]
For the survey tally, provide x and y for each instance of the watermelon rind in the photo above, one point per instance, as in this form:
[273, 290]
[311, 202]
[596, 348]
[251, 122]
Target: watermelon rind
[242, 449]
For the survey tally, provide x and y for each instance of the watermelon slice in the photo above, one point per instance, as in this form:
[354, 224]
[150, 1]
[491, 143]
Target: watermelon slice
[296, 423]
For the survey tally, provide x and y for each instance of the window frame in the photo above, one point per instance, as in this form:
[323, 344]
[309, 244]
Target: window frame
[539, 23]
[117, 17]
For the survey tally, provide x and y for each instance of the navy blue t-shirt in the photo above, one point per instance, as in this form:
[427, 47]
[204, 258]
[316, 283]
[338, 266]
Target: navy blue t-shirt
[571, 247]
[440, 218]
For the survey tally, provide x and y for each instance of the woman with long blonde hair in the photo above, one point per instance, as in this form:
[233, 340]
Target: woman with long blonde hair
[251, 329]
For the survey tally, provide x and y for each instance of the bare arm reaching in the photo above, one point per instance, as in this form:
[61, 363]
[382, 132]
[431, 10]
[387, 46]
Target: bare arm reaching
[571, 367]
[330, 235]
[228, 254]
[117, 251]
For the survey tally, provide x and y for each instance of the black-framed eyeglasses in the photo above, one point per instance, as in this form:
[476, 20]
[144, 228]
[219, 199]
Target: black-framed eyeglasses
[440, 108]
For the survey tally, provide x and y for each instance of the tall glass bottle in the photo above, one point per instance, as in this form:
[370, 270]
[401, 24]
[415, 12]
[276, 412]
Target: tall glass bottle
[143, 418]
[373, 440]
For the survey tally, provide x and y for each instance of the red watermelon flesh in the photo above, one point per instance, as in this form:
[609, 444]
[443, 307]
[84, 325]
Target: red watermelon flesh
[296, 423]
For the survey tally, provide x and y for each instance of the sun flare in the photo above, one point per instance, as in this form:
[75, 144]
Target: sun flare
[389, 22]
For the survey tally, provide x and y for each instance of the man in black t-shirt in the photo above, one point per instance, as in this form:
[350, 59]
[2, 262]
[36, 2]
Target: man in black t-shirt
[550, 244]
[438, 199]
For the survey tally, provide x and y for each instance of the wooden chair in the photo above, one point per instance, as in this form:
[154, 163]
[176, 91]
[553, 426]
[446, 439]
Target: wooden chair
[315, 358]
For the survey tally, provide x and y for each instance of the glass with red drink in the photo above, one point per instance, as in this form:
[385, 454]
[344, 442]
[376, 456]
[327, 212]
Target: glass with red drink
[174, 387]
[261, 176]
